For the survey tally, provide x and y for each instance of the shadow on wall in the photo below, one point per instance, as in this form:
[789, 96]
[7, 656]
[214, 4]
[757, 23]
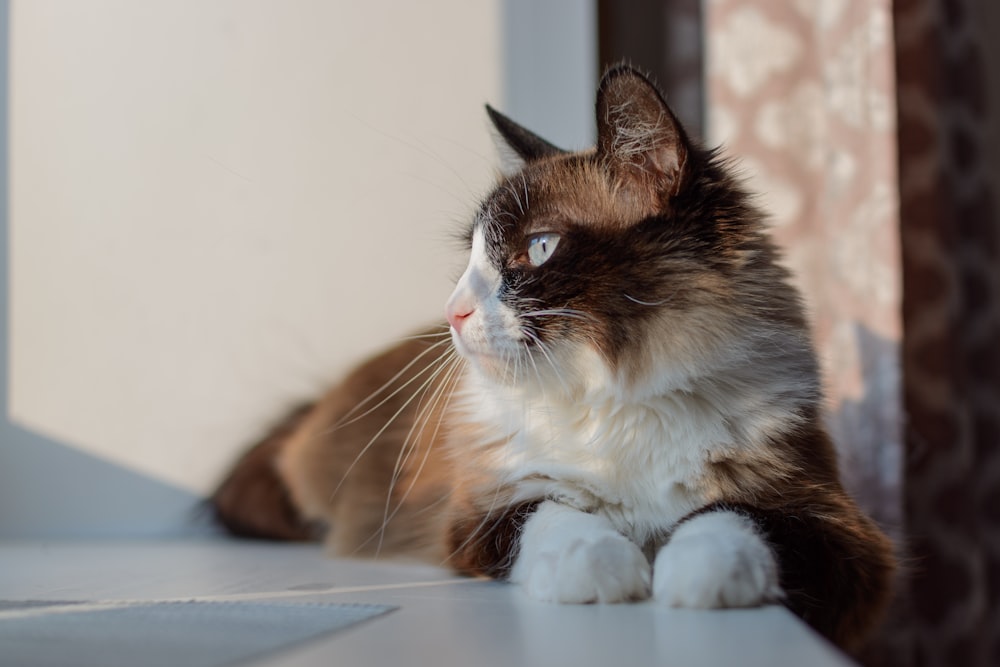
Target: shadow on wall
[868, 432]
[48, 489]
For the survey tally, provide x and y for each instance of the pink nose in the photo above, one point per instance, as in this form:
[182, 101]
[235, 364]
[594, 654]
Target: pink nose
[457, 314]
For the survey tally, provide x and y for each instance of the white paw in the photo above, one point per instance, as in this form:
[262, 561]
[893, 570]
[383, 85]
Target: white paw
[609, 568]
[570, 556]
[716, 560]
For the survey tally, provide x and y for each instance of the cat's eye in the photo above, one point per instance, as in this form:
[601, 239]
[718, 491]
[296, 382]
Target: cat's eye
[541, 247]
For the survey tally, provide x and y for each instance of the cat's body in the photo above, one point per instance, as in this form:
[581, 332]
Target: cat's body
[634, 409]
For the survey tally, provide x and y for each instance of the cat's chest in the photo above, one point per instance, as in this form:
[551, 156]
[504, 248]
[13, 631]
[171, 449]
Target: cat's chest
[642, 464]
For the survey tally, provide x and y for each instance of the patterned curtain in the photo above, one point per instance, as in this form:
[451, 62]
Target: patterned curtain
[948, 71]
[871, 128]
[803, 94]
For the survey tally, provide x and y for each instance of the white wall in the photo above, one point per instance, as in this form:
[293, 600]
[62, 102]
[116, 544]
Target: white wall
[215, 207]
[208, 195]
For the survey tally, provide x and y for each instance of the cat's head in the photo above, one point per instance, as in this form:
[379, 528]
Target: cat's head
[640, 257]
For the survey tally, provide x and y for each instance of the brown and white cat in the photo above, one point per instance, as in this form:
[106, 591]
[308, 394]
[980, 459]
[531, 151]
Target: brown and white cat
[626, 402]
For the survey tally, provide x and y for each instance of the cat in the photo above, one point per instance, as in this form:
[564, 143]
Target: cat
[625, 402]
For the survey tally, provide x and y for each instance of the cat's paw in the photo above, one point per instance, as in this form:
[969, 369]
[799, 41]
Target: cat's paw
[608, 568]
[573, 557]
[716, 560]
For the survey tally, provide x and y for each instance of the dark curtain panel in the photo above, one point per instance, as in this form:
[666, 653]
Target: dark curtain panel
[948, 70]
[664, 38]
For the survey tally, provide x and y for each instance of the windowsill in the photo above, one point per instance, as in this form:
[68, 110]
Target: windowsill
[441, 620]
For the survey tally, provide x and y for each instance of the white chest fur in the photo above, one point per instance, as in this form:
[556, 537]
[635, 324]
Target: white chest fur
[640, 464]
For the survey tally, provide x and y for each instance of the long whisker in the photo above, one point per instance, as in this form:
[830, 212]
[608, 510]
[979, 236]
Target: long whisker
[413, 439]
[647, 303]
[561, 312]
[418, 392]
[552, 364]
[437, 334]
[486, 527]
[350, 417]
[444, 389]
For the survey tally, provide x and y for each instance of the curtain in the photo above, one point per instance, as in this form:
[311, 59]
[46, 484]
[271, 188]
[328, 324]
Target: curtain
[802, 94]
[870, 129]
[948, 76]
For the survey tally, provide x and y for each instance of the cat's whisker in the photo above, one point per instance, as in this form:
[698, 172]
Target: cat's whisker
[500, 485]
[446, 333]
[532, 339]
[517, 197]
[497, 215]
[393, 379]
[444, 388]
[388, 423]
[477, 535]
[648, 303]
[552, 364]
[409, 444]
[526, 342]
[350, 417]
[406, 450]
[561, 312]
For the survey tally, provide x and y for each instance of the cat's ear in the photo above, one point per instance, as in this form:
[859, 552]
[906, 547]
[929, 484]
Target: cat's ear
[517, 144]
[637, 133]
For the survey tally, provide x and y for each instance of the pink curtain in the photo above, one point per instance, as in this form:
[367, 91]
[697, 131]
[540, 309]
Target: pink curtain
[804, 94]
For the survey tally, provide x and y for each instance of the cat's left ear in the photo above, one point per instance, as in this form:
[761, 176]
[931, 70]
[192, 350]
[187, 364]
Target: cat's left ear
[517, 144]
[637, 133]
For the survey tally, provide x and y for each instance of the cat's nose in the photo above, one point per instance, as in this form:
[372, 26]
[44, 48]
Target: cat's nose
[457, 313]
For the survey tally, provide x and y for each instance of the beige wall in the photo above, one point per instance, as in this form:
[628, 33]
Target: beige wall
[215, 206]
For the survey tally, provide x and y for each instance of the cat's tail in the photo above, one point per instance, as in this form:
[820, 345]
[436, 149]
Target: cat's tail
[253, 501]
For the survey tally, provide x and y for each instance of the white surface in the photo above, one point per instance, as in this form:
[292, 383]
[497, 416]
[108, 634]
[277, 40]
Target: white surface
[442, 620]
[215, 207]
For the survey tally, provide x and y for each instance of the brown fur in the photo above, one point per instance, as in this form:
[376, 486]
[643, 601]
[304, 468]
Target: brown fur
[338, 479]
[253, 500]
[836, 565]
[663, 254]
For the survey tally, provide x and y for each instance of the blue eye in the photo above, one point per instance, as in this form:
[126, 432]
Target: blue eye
[541, 247]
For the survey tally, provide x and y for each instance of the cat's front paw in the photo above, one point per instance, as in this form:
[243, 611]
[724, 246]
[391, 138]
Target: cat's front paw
[574, 557]
[716, 560]
[608, 568]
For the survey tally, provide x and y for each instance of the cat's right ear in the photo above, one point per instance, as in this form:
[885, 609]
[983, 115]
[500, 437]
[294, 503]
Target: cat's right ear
[517, 144]
[637, 133]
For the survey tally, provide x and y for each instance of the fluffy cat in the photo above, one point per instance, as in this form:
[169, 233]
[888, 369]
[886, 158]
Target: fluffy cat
[625, 403]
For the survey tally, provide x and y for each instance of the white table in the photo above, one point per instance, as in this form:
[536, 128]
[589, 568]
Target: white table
[441, 620]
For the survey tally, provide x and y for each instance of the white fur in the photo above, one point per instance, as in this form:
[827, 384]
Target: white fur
[476, 291]
[569, 556]
[639, 465]
[510, 162]
[714, 560]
